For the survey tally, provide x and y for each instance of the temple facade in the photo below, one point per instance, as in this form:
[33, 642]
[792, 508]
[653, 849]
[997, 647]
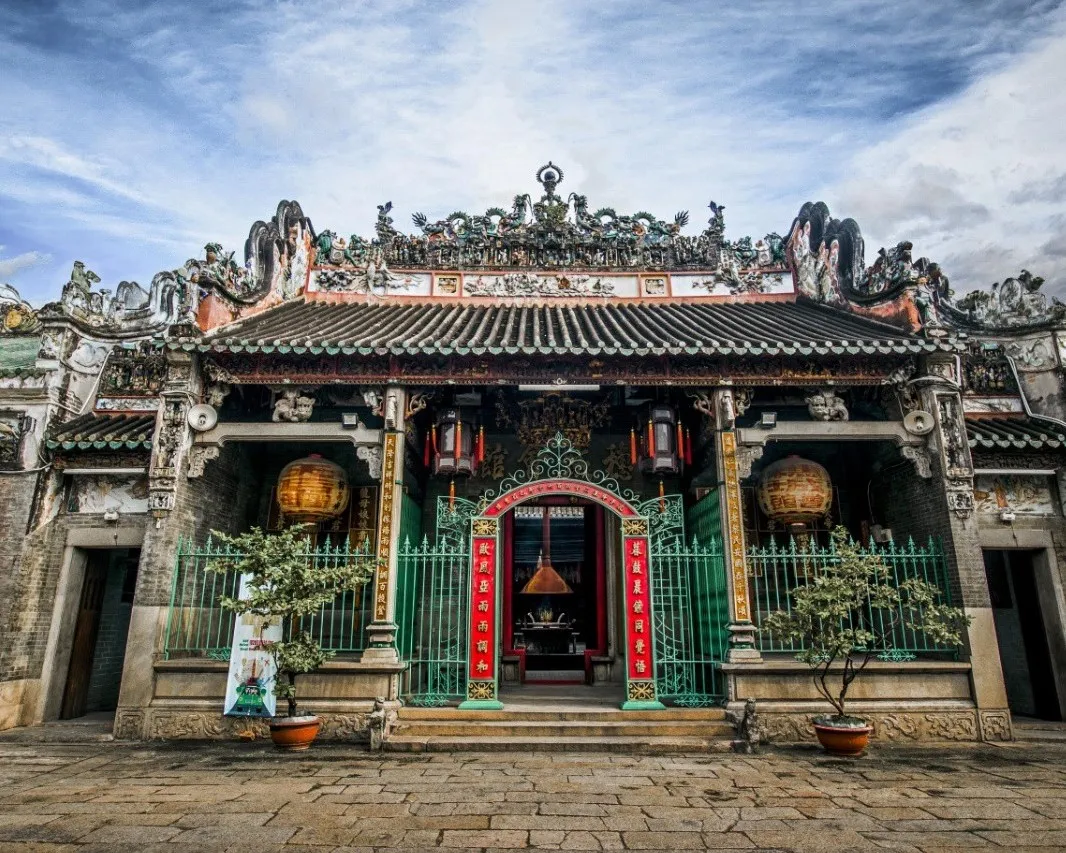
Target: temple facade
[584, 449]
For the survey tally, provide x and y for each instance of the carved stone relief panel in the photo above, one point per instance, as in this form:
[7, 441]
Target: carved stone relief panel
[954, 445]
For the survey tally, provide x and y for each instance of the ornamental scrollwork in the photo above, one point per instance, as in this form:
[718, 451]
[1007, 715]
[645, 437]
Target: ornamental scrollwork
[559, 459]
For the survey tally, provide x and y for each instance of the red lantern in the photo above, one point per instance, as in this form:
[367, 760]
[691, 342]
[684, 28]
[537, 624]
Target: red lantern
[661, 452]
[454, 445]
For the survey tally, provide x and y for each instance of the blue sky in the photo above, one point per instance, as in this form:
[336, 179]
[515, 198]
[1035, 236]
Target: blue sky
[133, 132]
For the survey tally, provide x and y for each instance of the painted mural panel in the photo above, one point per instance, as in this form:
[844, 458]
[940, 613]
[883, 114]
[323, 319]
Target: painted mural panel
[1028, 495]
[99, 493]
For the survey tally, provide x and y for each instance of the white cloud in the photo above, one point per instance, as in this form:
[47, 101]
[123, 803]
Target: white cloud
[135, 151]
[10, 266]
[977, 183]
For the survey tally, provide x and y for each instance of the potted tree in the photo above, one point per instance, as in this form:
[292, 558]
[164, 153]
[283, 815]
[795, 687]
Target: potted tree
[847, 615]
[284, 584]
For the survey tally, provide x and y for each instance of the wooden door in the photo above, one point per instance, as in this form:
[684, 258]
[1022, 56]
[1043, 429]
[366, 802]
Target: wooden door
[86, 629]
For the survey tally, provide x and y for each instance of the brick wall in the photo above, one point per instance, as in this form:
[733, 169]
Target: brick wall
[16, 498]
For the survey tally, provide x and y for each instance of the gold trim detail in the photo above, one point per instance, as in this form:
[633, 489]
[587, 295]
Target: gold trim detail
[634, 527]
[481, 690]
[735, 522]
[388, 491]
[641, 691]
[486, 526]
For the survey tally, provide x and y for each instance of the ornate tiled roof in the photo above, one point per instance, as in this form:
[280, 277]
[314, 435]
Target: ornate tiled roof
[679, 328]
[1020, 433]
[104, 432]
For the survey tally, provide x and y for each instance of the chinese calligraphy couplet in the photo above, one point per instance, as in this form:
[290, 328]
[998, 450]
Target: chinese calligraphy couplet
[638, 608]
[483, 610]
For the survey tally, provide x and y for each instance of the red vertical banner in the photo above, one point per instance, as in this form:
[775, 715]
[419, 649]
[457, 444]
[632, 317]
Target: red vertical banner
[639, 663]
[483, 611]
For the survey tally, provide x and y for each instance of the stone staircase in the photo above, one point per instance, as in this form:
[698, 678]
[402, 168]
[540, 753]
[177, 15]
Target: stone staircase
[548, 729]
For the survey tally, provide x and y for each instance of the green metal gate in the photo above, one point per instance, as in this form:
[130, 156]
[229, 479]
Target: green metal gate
[431, 609]
[689, 601]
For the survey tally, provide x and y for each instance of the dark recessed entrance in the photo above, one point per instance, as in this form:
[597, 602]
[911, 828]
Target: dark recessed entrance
[1022, 634]
[100, 631]
[554, 606]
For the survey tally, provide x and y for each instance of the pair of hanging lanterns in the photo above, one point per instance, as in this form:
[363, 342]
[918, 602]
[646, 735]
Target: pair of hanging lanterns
[663, 445]
[453, 446]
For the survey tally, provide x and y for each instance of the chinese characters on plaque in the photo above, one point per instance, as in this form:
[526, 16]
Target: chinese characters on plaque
[483, 603]
[638, 608]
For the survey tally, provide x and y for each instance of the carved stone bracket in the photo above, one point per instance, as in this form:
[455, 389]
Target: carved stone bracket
[371, 455]
[200, 455]
[747, 455]
[919, 456]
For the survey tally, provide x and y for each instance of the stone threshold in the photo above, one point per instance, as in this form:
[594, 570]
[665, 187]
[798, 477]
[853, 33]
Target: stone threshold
[332, 667]
[790, 666]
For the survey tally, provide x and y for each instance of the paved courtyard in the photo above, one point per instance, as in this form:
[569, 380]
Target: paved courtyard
[245, 797]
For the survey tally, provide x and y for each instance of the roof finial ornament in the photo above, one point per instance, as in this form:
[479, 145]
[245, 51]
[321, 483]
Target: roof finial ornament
[549, 177]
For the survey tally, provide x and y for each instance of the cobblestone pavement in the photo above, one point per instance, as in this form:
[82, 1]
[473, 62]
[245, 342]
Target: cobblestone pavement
[247, 798]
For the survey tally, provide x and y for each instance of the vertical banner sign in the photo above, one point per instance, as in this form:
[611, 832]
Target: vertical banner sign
[250, 685]
[388, 488]
[638, 609]
[481, 676]
[735, 521]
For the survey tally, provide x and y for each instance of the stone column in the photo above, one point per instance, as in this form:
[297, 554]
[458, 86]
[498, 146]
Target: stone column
[381, 632]
[734, 463]
[940, 395]
[166, 502]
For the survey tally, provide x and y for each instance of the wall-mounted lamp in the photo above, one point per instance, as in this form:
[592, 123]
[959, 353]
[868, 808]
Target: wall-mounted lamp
[1007, 515]
[768, 420]
[111, 516]
[349, 420]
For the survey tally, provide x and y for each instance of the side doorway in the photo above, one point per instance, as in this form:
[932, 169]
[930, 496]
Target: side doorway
[101, 627]
[1018, 606]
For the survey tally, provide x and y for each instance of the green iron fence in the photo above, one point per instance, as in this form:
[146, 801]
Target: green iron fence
[691, 614]
[198, 627]
[775, 571]
[690, 602]
[431, 611]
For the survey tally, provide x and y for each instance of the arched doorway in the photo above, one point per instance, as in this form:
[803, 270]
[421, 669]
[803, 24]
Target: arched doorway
[669, 621]
[484, 635]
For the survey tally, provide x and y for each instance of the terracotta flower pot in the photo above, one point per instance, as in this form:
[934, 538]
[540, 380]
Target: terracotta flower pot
[294, 734]
[843, 740]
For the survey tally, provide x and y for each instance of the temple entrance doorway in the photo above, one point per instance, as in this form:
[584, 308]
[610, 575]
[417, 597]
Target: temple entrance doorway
[554, 591]
[1018, 600]
[101, 626]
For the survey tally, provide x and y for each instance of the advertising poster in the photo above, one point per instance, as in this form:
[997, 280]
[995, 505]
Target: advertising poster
[250, 686]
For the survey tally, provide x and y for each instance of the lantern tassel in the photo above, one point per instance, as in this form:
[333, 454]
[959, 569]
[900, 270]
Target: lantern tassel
[632, 446]
[688, 447]
[681, 443]
[426, 450]
[662, 497]
[433, 434]
[480, 446]
[651, 440]
[451, 494]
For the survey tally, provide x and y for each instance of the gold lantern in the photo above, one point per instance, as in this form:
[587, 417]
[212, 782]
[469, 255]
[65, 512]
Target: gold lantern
[795, 491]
[312, 489]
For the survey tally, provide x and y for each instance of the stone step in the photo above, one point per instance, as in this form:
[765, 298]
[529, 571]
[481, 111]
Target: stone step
[603, 715]
[548, 728]
[628, 745]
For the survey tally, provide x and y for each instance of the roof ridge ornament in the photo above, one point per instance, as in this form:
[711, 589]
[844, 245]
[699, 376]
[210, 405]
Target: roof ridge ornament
[549, 177]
